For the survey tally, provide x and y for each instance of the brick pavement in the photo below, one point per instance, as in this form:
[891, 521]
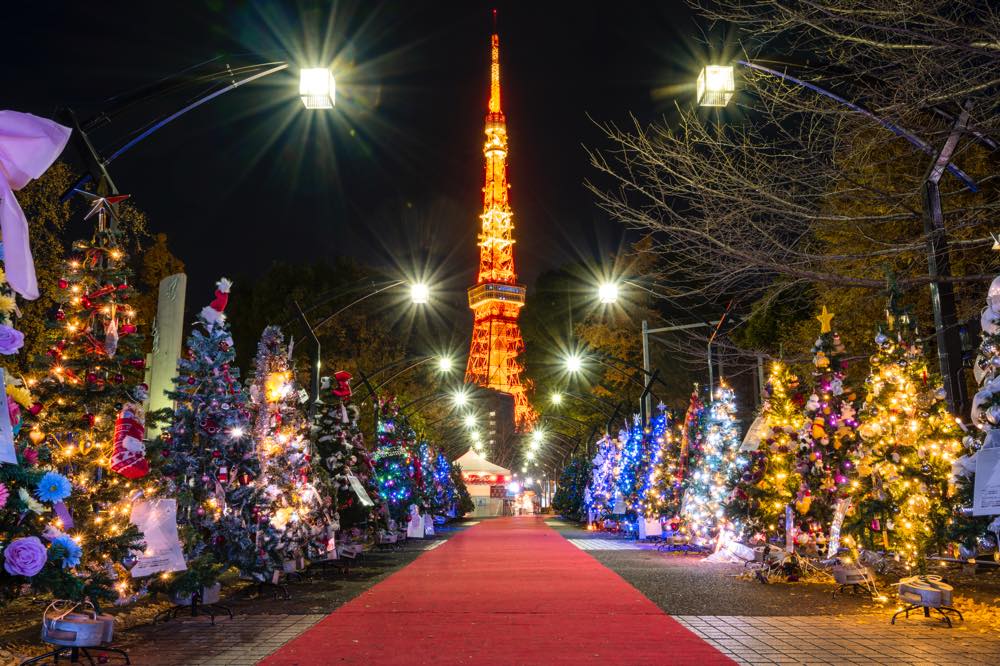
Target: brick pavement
[860, 639]
[242, 641]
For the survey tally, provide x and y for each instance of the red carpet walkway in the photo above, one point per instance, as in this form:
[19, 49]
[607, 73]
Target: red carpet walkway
[506, 591]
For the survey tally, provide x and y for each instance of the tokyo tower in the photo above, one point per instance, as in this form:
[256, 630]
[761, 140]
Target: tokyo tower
[496, 299]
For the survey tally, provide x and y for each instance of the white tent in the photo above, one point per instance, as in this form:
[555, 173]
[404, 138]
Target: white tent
[480, 477]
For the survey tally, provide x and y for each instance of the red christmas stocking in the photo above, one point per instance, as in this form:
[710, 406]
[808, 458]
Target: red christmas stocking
[129, 456]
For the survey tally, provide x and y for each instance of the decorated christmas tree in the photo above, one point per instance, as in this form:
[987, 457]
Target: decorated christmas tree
[90, 418]
[692, 435]
[628, 472]
[445, 493]
[340, 445]
[903, 499]
[210, 464]
[568, 500]
[33, 549]
[770, 481]
[395, 467]
[293, 519]
[704, 502]
[975, 533]
[599, 496]
[828, 442]
[659, 489]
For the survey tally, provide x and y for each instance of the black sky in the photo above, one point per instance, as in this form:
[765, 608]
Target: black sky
[395, 170]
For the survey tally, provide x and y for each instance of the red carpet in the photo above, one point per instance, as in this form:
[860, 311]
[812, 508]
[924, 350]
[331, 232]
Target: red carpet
[506, 591]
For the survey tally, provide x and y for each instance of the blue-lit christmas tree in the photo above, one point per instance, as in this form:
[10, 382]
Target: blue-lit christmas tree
[628, 479]
[658, 477]
[395, 470]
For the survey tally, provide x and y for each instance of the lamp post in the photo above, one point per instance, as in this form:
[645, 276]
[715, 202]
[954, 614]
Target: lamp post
[317, 90]
[417, 297]
[716, 90]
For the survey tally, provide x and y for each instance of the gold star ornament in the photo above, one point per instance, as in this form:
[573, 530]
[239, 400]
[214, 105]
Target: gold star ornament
[824, 318]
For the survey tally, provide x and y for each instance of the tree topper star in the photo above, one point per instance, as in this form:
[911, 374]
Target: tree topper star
[99, 203]
[824, 319]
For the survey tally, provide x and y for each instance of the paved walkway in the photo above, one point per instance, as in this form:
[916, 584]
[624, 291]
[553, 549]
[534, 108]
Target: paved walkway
[507, 591]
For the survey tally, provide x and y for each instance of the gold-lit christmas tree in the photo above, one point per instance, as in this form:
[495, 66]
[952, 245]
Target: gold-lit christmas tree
[88, 387]
[903, 494]
[770, 482]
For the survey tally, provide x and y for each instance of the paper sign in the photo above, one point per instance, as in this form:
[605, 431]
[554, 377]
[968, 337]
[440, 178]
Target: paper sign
[986, 492]
[359, 490]
[789, 529]
[415, 528]
[7, 452]
[157, 520]
[649, 527]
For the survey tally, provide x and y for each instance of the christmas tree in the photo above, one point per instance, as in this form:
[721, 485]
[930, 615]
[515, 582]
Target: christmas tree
[444, 487]
[293, 520]
[628, 480]
[692, 434]
[394, 462]
[658, 492]
[568, 500]
[770, 481]
[91, 419]
[340, 445]
[975, 532]
[210, 464]
[600, 495]
[703, 514]
[902, 496]
[32, 497]
[828, 442]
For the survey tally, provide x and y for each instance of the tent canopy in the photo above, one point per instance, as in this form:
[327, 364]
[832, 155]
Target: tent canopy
[473, 463]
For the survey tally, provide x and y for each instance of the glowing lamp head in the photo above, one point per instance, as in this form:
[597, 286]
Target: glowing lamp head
[536, 437]
[459, 398]
[317, 88]
[420, 293]
[574, 363]
[716, 85]
[445, 364]
[557, 398]
[470, 421]
[607, 292]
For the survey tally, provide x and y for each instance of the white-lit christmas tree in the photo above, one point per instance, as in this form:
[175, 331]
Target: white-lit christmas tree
[703, 512]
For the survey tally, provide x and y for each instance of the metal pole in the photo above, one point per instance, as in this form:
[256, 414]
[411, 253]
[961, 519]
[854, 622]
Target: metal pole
[646, 366]
[760, 379]
[710, 378]
[939, 266]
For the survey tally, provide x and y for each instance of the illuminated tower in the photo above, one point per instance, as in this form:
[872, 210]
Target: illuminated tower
[496, 299]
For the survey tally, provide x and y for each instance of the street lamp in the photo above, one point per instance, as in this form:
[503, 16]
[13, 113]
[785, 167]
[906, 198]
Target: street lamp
[317, 88]
[574, 363]
[420, 293]
[716, 85]
[556, 398]
[607, 292]
[459, 397]
[470, 421]
[445, 364]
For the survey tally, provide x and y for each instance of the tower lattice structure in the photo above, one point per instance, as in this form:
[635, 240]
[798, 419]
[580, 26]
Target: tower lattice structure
[496, 299]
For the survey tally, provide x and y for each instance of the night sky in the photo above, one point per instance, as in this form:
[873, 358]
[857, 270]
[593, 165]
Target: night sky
[392, 175]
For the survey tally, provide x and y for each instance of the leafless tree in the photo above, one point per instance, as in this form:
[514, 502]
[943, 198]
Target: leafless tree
[791, 187]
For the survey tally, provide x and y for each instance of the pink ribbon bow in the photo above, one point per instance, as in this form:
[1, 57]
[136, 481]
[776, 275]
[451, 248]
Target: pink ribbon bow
[28, 146]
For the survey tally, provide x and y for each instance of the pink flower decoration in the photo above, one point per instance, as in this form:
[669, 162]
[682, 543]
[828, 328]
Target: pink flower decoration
[4, 494]
[24, 557]
[30, 456]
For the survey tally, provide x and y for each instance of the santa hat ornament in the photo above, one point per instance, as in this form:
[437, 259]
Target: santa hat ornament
[214, 312]
[343, 388]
